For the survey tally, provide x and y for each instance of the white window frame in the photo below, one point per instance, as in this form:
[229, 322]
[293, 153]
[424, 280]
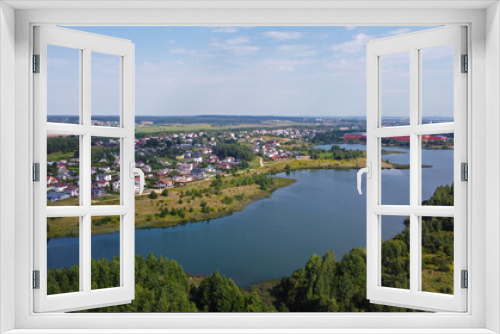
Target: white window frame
[86, 44]
[482, 315]
[413, 43]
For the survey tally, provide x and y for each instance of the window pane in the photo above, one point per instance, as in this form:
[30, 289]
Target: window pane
[437, 84]
[63, 84]
[437, 169]
[437, 254]
[395, 175]
[105, 252]
[395, 89]
[395, 251]
[63, 255]
[106, 88]
[63, 170]
[105, 171]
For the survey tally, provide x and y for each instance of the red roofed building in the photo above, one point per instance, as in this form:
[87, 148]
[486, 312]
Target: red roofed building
[354, 136]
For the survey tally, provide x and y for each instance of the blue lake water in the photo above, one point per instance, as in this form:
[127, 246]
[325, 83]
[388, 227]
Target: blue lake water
[272, 237]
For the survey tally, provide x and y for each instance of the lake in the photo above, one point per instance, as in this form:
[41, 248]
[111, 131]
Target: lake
[273, 237]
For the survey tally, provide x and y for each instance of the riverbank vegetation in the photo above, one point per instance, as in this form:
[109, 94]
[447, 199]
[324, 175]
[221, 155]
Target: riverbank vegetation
[196, 201]
[324, 284]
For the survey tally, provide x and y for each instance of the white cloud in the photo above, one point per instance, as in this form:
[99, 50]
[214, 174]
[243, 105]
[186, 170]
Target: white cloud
[237, 46]
[298, 50]
[283, 35]
[355, 45]
[349, 28]
[225, 30]
[399, 31]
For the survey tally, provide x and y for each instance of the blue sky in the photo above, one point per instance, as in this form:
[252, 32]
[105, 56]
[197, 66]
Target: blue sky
[288, 71]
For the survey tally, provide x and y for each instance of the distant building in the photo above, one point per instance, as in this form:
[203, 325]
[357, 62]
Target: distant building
[198, 173]
[51, 180]
[434, 137]
[302, 157]
[165, 183]
[102, 184]
[98, 192]
[60, 186]
[72, 191]
[355, 136]
[53, 196]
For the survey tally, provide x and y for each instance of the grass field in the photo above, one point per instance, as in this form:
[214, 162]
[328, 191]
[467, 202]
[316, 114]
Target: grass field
[56, 156]
[168, 128]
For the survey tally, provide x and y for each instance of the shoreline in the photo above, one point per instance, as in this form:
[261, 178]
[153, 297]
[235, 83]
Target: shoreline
[147, 214]
[270, 169]
[162, 223]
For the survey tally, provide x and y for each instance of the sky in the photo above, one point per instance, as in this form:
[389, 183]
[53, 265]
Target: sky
[281, 71]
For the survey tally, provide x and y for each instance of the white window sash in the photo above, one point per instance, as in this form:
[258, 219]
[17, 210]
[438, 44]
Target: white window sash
[414, 297]
[87, 43]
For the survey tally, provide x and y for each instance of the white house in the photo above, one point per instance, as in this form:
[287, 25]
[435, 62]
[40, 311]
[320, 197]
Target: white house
[72, 191]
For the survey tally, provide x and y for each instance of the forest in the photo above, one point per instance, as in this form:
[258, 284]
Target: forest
[324, 284]
[327, 137]
[63, 144]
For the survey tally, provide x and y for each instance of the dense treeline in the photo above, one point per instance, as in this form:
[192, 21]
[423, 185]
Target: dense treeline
[328, 285]
[233, 150]
[216, 293]
[336, 152]
[160, 286]
[324, 284]
[63, 144]
[334, 136]
[339, 153]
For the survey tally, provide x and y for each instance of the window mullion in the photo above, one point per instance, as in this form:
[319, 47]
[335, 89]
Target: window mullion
[85, 180]
[414, 171]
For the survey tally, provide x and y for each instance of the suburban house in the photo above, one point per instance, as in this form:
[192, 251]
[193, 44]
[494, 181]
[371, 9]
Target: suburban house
[51, 180]
[101, 184]
[72, 191]
[60, 187]
[165, 183]
[54, 196]
[199, 173]
[105, 177]
[98, 192]
[225, 165]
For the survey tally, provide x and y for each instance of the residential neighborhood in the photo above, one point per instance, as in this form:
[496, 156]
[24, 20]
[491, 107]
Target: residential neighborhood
[178, 158]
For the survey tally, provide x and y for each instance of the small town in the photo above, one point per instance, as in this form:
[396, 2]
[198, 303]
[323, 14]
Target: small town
[176, 159]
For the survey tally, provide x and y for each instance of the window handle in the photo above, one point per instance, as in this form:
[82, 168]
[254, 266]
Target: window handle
[134, 170]
[368, 171]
